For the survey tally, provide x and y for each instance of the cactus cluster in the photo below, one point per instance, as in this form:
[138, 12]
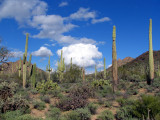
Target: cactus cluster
[61, 67]
[48, 68]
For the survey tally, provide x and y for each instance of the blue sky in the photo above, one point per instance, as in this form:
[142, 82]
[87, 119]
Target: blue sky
[81, 28]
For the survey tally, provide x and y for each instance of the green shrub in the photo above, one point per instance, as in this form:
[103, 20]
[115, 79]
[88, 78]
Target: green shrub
[17, 115]
[45, 99]
[79, 114]
[92, 108]
[106, 115]
[107, 104]
[144, 104]
[44, 87]
[54, 113]
[124, 113]
[39, 105]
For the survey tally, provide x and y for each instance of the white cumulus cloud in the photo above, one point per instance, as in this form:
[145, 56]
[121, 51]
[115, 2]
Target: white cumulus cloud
[62, 4]
[81, 54]
[16, 54]
[83, 14]
[42, 52]
[22, 10]
[105, 19]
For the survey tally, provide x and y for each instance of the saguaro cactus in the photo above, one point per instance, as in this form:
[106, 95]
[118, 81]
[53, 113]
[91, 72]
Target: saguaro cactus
[83, 74]
[95, 72]
[114, 61]
[19, 68]
[104, 68]
[151, 59]
[48, 68]
[30, 58]
[61, 67]
[33, 76]
[71, 64]
[25, 62]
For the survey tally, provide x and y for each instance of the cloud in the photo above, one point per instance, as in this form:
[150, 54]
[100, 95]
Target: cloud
[42, 52]
[109, 65]
[62, 4]
[83, 14]
[53, 27]
[81, 54]
[16, 54]
[105, 19]
[47, 44]
[22, 10]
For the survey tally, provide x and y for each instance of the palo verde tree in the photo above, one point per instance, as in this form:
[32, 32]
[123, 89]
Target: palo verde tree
[114, 61]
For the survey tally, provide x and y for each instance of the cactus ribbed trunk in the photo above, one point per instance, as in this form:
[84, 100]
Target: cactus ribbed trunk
[114, 61]
[95, 72]
[19, 69]
[25, 62]
[151, 59]
[33, 76]
[104, 68]
[61, 67]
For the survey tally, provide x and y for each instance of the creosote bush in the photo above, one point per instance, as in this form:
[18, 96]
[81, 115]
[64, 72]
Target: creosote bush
[106, 115]
[39, 105]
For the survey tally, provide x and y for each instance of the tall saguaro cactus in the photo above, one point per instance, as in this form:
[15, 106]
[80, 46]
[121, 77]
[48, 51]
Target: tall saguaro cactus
[71, 64]
[95, 72]
[61, 67]
[25, 62]
[151, 59]
[19, 68]
[49, 68]
[33, 76]
[83, 74]
[114, 61]
[104, 68]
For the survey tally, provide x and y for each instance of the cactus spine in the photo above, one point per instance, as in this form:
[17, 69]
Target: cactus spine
[104, 68]
[25, 62]
[61, 67]
[33, 76]
[19, 68]
[95, 72]
[114, 61]
[151, 59]
[48, 68]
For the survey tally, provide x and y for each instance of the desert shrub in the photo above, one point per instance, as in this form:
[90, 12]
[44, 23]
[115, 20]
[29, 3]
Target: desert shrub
[135, 78]
[103, 92]
[100, 83]
[123, 102]
[44, 87]
[79, 114]
[157, 117]
[107, 104]
[17, 115]
[45, 99]
[132, 92]
[77, 97]
[34, 91]
[92, 108]
[72, 74]
[39, 105]
[11, 101]
[156, 83]
[122, 85]
[106, 115]
[124, 113]
[144, 104]
[54, 113]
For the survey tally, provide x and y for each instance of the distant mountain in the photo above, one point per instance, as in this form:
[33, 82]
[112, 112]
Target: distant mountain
[12, 67]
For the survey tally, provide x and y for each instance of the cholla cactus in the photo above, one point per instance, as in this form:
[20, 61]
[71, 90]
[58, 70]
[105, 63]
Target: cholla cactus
[61, 67]
[151, 59]
[25, 62]
[114, 61]
[48, 68]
